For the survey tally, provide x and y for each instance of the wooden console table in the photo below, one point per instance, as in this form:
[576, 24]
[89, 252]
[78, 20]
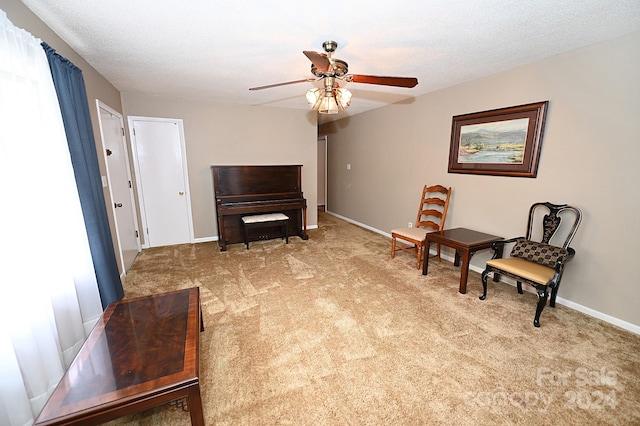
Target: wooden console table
[464, 241]
[142, 352]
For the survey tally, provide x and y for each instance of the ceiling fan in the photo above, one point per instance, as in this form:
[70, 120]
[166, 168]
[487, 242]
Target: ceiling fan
[332, 97]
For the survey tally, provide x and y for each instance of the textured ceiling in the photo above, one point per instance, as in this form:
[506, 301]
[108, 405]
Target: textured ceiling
[207, 50]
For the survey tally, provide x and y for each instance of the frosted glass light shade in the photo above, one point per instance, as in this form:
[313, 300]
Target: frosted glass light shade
[328, 104]
[343, 97]
[313, 98]
[328, 101]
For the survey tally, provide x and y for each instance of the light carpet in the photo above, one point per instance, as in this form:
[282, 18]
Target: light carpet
[332, 331]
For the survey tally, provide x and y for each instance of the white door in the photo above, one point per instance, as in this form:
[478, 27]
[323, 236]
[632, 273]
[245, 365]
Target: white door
[119, 183]
[161, 174]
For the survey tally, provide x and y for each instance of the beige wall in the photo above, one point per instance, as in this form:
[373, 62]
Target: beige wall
[97, 86]
[589, 159]
[589, 156]
[230, 135]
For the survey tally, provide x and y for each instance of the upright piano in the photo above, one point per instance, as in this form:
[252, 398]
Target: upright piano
[246, 190]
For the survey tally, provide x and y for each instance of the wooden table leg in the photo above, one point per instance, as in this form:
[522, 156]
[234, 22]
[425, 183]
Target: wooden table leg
[425, 258]
[194, 402]
[464, 271]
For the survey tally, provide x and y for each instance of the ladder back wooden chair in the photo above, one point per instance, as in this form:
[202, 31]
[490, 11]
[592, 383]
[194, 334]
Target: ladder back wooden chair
[432, 214]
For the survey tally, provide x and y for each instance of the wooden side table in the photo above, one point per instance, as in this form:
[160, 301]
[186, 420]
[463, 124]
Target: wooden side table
[465, 242]
[142, 352]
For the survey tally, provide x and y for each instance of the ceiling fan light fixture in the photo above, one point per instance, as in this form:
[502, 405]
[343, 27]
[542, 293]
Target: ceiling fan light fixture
[328, 101]
[328, 104]
[332, 98]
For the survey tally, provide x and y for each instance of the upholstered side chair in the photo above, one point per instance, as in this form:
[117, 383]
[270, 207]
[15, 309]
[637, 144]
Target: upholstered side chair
[539, 262]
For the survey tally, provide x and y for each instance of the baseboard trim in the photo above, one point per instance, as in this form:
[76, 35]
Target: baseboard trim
[361, 225]
[565, 302]
[205, 240]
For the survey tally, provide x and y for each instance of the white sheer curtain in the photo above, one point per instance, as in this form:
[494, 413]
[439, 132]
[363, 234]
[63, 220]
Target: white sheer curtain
[49, 299]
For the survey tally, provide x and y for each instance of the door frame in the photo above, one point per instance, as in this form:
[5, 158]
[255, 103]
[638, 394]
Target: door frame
[99, 105]
[324, 139]
[136, 170]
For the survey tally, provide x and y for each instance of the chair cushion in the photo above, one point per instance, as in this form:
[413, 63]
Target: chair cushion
[268, 217]
[523, 268]
[415, 234]
[543, 254]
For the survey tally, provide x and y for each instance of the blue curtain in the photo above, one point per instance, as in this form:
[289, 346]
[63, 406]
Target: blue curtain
[72, 96]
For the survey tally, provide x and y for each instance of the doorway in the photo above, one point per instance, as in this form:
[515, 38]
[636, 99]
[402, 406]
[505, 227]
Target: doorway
[160, 165]
[322, 173]
[118, 180]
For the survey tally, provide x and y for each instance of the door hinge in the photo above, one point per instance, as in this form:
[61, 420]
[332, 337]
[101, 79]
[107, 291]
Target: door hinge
[122, 128]
[129, 184]
[137, 236]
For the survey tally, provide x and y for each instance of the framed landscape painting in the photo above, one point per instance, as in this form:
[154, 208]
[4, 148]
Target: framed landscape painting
[503, 142]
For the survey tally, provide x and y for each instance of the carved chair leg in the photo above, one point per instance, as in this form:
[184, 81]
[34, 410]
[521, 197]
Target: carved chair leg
[554, 293]
[485, 275]
[543, 295]
[419, 252]
[519, 284]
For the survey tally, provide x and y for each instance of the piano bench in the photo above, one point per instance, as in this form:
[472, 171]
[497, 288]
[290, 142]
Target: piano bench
[265, 221]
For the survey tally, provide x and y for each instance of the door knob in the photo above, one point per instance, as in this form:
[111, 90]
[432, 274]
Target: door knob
[118, 205]
[180, 193]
